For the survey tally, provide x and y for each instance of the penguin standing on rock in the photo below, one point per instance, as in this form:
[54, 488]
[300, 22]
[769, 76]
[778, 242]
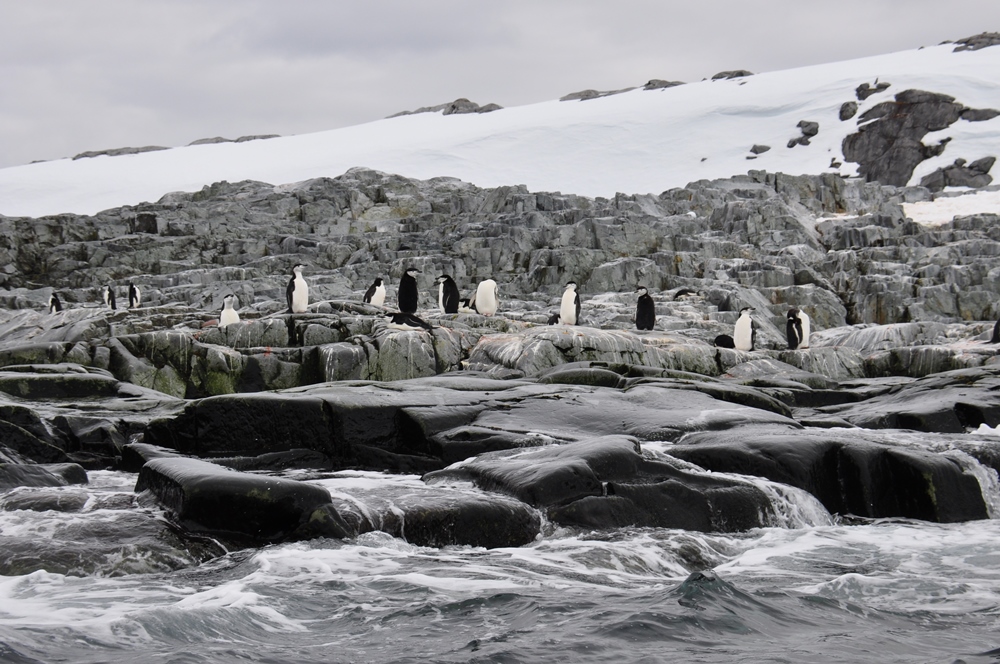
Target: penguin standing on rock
[645, 310]
[229, 315]
[408, 298]
[797, 330]
[297, 292]
[108, 294]
[569, 307]
[407, 322]
[134, 296]
[487, 299]
[375, 293]
[744, 334]
[55, 306]
[448, 295]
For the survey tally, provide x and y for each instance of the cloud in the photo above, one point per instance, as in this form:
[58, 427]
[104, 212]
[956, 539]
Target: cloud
[109, 73]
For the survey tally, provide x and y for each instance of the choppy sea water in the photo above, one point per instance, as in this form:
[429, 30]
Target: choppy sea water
[811, 589]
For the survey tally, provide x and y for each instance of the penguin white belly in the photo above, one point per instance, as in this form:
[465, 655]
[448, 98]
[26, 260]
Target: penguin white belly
[486, 297]
[228, 317]
[804, 317]
[378, 298]
[567, 308]
[300, 296]
[441, 297]
[743, 333]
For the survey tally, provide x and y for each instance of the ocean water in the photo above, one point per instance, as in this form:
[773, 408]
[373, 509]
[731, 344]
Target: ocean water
[809, 589]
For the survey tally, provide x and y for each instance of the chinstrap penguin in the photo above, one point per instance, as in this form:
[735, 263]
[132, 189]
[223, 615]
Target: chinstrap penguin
[375, 293]
[297, 293]
[229, 315]
[55, 306]
[487, 297]
[134, 296]
[407, 321]
[407, 297]
[744, 333]
[569, 306]
[797, 329]
[645, 310]
[108, 295]
[448, 295]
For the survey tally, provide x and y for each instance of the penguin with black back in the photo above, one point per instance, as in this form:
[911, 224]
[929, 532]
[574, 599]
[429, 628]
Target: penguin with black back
[724, 341]
[569, 306]
[407, 322]
[645, 310]
[55, 306]
[297, 292]
[408, 297]
[794, 330]
[744, 334]
[134, 296]
[448, 295]
[109, 297]
[375, 293]
[996, 333]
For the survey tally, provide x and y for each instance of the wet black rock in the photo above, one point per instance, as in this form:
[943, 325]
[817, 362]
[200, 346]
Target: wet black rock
[849, 471]
[607, 483]
[38, 475]
[204, 497]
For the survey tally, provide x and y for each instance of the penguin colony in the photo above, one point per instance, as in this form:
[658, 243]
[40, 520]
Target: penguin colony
[485, 300]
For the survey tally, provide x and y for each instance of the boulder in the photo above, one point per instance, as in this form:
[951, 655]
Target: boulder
[40, 475]
[207, 498]
[849, 472]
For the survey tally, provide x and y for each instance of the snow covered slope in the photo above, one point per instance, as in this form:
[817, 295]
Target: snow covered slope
[636, 142]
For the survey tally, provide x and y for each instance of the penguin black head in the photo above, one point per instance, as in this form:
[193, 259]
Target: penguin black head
[443, 278]
[228, 299]
[377, 282]
[570, 285]
[747, 310]
[412, 271]
[793, 314]
[297, 269]
[641, 290]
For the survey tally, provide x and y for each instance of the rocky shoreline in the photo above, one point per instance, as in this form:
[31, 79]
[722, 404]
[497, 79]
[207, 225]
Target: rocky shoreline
[512, 423]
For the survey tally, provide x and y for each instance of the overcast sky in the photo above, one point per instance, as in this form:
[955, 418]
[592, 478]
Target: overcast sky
[87, 75]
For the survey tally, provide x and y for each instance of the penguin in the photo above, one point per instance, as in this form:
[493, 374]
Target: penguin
[134, 296]
[448, 295]
[229, 315]
[375, 293]
[407, 321]
[684, 293]
[795, 329]
[467, 305]
[55, 306]
[743, 333]
[645, 310]
[407, 297]
[804, 318]
[724, 341]
[109, 297]
[297, 292]
[569, 308]
[996, 333]
[553, 319]
[487, 297]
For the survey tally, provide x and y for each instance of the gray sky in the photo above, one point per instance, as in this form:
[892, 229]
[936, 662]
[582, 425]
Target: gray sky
[87, 75]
